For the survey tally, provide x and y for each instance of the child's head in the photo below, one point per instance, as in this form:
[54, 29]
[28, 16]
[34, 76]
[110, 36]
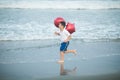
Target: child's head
[62, 24]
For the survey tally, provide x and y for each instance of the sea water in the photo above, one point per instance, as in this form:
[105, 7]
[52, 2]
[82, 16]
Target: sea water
[34, 19]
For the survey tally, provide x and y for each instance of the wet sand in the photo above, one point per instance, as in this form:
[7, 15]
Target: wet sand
[37, 60]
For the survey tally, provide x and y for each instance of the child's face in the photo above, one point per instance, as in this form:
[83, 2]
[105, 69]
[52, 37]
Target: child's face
[60, 26]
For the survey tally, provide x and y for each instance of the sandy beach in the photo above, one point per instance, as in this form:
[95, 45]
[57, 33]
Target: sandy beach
[37, 60]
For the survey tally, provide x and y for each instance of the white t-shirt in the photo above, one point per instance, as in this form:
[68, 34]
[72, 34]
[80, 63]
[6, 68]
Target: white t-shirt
[64, 34]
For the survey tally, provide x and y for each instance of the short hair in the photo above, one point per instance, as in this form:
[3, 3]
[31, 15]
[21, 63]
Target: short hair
[63, 23]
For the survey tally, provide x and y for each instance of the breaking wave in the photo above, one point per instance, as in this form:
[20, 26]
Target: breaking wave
[67, 4]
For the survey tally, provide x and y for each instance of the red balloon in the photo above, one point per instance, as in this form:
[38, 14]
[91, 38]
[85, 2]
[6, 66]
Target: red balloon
[70, 27]
[58, 20]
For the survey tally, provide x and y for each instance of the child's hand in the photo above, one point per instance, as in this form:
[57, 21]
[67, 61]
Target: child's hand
[56, 33]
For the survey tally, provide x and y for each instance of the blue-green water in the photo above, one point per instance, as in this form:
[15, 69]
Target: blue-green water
[31, 20]
[29, 24]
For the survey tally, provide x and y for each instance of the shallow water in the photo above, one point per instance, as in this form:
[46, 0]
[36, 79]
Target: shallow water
[31, 60]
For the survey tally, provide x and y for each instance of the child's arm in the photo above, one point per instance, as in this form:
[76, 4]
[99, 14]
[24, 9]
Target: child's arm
[56, 33]
[68, 38]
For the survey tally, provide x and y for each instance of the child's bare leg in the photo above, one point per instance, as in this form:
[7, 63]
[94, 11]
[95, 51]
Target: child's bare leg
[61, 57]
[71, 51]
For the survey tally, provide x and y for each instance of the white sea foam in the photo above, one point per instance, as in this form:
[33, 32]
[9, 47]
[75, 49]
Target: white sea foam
[26, 32]
[29, 32]
[100, 56]
[86, 4]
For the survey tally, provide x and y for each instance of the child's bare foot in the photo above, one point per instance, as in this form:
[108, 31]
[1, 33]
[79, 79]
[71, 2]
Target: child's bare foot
[60, 61]
[75, 52]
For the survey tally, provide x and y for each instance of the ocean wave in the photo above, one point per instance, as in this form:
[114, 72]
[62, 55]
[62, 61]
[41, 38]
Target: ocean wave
[29, 60]
[36, 31]
[30, 47]
[65, 4]
[100, 56]
[91, 25]
[53, 38]
[27, 31]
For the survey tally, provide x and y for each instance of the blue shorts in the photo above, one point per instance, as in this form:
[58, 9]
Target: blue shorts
[64, 46]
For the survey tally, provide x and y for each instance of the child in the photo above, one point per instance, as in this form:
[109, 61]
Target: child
[65, 36]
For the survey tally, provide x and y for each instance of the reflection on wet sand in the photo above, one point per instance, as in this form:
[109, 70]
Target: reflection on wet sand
[64, 72]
